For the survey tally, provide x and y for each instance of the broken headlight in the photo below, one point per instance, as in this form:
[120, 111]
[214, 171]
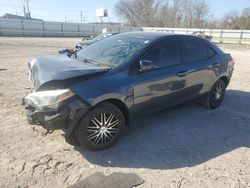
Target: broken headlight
[50, 99]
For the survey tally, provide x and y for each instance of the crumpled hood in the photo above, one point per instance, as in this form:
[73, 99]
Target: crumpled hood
[58, 67]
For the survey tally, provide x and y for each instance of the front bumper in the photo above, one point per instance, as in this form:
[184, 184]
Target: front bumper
[52, 119]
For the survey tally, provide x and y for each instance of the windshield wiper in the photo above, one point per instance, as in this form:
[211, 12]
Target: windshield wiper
[85, 60]
[93, 62]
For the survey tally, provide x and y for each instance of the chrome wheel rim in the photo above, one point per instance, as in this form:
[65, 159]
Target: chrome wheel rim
[102, 129]
[218, 94]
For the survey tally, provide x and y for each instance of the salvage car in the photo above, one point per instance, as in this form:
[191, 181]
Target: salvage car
[101, 89]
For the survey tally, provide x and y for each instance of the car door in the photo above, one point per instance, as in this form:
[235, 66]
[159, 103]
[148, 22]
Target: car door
[163, 86]
[200, 67]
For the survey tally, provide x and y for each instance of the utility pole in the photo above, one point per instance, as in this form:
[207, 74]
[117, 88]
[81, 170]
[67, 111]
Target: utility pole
[81, 17]
[24, 12]
[28, 9]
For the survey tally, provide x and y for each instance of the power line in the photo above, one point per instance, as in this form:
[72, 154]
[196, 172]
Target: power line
[8, 5]
[82, 12]
[48, 9]
[13, 4]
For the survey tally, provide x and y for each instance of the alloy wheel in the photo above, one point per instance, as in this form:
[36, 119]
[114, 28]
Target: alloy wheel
[218, 94]
[102, 129]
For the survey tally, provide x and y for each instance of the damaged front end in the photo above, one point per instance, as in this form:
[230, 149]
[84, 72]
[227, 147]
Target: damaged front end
[51, 109]
[52, 104]
[55, 109]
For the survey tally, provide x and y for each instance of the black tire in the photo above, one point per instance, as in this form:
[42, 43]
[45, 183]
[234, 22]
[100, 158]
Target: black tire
[71, 140]
[101, 127]
[216, 95]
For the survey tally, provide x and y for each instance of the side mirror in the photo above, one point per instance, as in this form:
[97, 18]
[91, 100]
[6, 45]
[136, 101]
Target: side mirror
[146, 65]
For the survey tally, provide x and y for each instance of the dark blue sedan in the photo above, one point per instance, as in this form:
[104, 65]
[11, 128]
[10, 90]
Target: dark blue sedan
[99, 90]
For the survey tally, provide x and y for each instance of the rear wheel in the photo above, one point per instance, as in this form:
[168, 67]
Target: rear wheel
[101, 127]
[216, 95]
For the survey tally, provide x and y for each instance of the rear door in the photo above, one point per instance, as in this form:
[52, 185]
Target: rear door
[201, 65]
[163, 86]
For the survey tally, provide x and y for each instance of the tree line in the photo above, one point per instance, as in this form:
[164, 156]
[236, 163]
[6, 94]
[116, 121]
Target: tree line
[178, 13]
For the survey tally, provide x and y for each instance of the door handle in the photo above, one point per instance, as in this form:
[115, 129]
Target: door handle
[182, 73]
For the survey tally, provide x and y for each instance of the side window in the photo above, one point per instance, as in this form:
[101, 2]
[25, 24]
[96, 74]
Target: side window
[165, 54]
[196, 51]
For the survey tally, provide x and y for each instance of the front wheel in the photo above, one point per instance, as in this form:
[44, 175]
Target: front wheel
[101, 127]
[216, 95]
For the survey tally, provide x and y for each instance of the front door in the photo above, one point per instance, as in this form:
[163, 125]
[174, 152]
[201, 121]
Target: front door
[163, 86]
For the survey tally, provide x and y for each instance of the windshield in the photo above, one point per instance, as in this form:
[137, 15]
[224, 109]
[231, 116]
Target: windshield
[113, 51]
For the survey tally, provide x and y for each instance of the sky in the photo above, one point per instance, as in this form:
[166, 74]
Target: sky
[69, 10]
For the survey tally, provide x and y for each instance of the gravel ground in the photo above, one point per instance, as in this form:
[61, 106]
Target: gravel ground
[187, 146]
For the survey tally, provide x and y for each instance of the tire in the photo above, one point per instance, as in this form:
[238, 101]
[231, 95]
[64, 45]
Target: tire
[215, 96]
[101, 127]
[71, 140]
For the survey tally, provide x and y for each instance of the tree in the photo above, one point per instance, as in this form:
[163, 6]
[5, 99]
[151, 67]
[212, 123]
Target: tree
[178, 13]
[246, 18]
[232, 20]
[236, 20]
[159, 13]
[201, 13]
[138, 12]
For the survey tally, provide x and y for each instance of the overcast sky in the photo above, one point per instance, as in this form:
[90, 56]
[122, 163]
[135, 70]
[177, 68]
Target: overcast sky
[61, 10]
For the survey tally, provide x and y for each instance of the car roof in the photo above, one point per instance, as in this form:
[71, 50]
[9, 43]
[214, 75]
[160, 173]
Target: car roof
[156, 35]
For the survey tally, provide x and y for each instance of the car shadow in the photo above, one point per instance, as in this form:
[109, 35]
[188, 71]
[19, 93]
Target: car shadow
[184, 136]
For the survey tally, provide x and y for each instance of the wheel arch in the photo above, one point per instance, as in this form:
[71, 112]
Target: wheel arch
[225, 79]
[121, 106]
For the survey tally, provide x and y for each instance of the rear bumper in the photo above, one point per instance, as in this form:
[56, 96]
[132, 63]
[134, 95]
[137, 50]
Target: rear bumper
[60, 118]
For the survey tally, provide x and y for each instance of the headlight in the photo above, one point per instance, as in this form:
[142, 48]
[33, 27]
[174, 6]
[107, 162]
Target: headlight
[49, 98]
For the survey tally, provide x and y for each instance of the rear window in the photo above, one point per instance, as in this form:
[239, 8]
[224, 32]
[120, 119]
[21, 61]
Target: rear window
[196, 51]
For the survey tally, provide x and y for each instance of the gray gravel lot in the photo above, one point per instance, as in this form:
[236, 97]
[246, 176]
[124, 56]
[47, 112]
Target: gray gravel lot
[187, 146]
